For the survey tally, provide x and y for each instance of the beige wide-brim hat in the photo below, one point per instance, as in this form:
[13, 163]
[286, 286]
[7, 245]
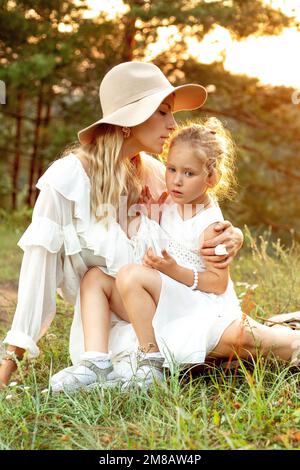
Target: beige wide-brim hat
[130, 93]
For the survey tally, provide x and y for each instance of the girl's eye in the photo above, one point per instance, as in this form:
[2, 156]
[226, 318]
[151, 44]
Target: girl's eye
[162, 112]
[171, 169]
[189, 173]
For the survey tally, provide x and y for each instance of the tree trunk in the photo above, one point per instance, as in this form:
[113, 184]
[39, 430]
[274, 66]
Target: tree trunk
[129, 38]
[17, 157]
[44, 141]
[35, 148]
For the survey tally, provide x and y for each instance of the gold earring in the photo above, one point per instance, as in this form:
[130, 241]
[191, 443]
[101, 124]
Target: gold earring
[126, 132]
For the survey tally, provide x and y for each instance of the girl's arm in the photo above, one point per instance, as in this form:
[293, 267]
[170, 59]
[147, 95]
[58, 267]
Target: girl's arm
[213, 280]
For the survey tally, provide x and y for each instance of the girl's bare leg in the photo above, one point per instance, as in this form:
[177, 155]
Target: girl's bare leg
[140, 289]
[247, 337]
[243, 337]
[99, 295]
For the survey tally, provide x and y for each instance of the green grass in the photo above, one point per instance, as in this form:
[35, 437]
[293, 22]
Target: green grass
[244, 409]
[10, 254]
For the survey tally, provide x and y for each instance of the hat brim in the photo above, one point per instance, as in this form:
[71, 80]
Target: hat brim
[187, 97]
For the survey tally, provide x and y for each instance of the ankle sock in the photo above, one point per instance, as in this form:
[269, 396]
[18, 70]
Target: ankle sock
[154, 355]
[100, 359]
[147, 371]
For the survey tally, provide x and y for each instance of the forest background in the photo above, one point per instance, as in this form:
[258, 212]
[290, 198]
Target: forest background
[53, 55]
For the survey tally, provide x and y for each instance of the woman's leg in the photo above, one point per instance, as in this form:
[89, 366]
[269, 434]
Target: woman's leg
[8, 366]
[140, 289]
[246, 337]
[99, 295]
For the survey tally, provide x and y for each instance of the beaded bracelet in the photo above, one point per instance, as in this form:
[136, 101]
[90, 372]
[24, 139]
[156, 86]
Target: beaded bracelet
[195, 285]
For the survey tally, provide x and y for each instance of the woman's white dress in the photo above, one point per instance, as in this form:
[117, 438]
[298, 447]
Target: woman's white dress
[61, 244]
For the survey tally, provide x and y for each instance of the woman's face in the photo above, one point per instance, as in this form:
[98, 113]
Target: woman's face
[150, 136]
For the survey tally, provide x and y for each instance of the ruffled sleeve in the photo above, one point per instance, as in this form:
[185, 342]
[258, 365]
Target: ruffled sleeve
[50, 235]
[68, 178]
[62, 210]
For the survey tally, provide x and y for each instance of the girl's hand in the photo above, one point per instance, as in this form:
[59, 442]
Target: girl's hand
[147, 200]
[165, 265]
[231, 237]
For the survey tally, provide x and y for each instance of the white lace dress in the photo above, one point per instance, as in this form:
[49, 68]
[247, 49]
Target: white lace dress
[188, 324]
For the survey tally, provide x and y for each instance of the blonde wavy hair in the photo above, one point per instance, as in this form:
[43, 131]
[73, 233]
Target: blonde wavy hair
[111, 174]
[213, 144]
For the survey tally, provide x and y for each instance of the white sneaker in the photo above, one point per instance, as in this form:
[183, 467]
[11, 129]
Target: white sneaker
[85, 375]
[291, 320]
[149, 370]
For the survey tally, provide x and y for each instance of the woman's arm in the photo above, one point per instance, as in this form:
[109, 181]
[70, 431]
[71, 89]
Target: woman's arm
[223, 233]
[213, 280]
[36, 299]
[40, 271]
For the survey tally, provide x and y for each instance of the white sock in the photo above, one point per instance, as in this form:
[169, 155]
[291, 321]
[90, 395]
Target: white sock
[156, 355]
[148, 370]
[100, 359]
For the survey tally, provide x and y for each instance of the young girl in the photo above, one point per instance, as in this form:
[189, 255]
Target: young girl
[181, 308]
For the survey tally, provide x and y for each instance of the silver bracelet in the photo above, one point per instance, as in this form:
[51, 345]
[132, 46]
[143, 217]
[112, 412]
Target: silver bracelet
[195, 285]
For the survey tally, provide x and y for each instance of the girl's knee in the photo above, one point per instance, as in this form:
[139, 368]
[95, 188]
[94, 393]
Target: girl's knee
[128, 276]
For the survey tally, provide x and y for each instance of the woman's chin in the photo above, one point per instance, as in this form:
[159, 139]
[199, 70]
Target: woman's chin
[155, 149]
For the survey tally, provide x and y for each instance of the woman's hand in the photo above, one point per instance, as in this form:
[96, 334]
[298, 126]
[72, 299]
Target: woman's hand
[151, 205]
[165, 265]
[231, 237]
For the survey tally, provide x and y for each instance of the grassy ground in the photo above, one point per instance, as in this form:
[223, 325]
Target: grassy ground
[243, 409]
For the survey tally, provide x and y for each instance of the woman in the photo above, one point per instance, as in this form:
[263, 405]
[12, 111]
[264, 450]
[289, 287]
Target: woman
[59, 246]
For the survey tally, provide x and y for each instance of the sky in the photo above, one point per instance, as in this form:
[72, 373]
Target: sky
[272, 59]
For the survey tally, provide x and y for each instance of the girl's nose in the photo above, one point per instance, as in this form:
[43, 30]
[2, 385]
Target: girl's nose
[178, 179]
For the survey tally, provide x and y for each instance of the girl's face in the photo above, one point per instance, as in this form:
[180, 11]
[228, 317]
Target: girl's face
[186, 176]
[151, 134]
